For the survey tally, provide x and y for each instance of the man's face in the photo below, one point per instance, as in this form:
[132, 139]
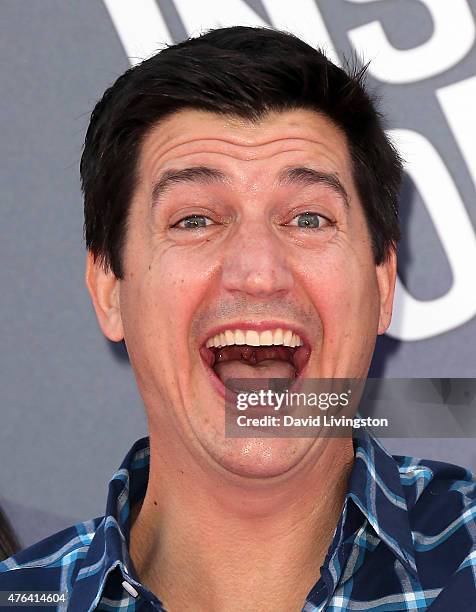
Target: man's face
[251, 227]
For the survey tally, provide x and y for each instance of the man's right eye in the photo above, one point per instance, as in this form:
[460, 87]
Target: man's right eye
[193, 222]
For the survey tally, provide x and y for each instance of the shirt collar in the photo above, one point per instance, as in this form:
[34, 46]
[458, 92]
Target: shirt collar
[374, 486]
[109, 548]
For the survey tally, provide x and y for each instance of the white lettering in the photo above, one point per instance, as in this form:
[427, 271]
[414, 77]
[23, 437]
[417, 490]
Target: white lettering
[458, 103]
[140, 27]
[415, 319]
[200, 16]
[453, 36]
[305, 20]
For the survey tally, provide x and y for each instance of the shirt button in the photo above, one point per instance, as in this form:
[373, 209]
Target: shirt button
[130, 589]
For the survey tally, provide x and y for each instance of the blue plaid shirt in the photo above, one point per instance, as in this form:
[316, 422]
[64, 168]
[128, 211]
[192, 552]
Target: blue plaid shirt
[406, 540]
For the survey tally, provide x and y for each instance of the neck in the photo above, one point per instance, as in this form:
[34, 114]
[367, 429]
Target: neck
[237, 545]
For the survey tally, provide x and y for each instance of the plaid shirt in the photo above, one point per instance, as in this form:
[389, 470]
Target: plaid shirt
[406, 540]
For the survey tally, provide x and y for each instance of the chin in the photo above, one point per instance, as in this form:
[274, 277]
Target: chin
[259, 457]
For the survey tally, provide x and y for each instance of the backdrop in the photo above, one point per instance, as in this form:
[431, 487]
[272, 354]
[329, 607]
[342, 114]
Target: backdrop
[70, 409]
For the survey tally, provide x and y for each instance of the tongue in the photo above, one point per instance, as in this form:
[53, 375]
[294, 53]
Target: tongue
[254, 362]
[269, 368]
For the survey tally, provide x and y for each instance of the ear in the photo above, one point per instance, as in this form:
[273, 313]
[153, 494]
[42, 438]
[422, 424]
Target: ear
[386, 277]
[104, 289]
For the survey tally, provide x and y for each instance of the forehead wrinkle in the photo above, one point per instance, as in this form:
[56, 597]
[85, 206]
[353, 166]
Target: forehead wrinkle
[251, 150]
[213, 153]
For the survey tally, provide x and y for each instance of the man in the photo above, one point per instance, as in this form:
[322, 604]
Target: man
[241, 221]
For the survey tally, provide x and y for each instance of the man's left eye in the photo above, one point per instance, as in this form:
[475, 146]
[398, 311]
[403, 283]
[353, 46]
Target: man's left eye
[193, 222]
[310, 220]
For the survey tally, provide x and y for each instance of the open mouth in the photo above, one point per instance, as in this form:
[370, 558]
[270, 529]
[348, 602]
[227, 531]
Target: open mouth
[279, 353]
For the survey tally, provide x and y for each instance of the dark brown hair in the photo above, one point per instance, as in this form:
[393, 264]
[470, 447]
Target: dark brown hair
[241, 71]
[9, 544]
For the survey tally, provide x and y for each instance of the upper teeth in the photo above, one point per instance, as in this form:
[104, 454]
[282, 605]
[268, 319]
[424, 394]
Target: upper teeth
[254, 338]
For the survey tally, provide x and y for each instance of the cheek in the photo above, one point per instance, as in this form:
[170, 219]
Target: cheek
[342, 286]
[179, 280]
[158, 307]
[170, 294]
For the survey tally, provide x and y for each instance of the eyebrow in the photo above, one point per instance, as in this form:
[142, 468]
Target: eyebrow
[303, 175]
[194, 174]
[294, 175]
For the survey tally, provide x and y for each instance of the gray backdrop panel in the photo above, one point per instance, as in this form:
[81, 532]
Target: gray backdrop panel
[70, 409]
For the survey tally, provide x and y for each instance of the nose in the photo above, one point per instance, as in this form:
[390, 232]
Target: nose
[255, 263]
